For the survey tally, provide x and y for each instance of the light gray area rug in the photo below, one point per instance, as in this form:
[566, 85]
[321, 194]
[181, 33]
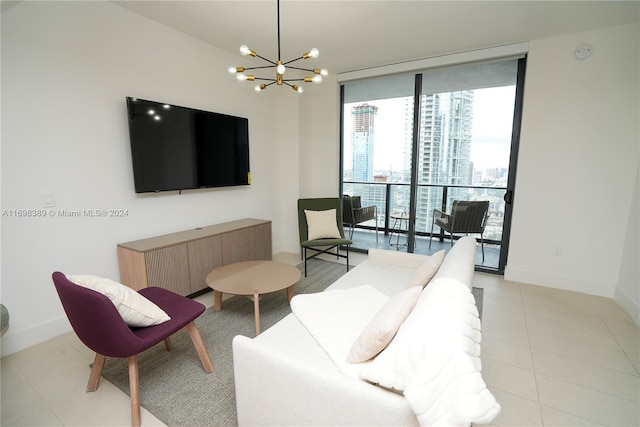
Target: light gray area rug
[173, 386]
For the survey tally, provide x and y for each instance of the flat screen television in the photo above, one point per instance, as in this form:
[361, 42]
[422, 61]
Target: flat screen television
[179, 148]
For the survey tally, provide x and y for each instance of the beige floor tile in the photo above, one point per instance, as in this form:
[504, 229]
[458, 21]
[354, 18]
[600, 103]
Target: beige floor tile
[624, 327]
[605, 380]
[572, 330]
[504, 302]
[19, 397]
[504, 332]
[34, 416]
[630, 345]
[607, 308]
[494, 313]
[556, 311]
[516, 411]
[107, 406]
[558, 302]
[495, 287]
[509, 378]
[586, 353]
[586, 403]
[511, 354]
[554, 417]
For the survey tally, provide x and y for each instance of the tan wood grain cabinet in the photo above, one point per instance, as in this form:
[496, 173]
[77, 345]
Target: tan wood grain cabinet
[181, 261]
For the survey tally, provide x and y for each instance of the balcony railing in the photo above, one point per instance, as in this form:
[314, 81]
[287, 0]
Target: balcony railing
[394, 198]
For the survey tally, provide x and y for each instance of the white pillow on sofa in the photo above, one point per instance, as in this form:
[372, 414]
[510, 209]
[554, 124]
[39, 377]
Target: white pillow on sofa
[383, 327]
[425, 271]
[135, 309]
[322, 224]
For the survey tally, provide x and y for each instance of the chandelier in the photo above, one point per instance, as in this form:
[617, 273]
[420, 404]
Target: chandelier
[280, 68]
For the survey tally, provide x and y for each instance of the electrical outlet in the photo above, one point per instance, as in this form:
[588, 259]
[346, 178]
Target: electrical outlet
[555, 251]
[48, 199]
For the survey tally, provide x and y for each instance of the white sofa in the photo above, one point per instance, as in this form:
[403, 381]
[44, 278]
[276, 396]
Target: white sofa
[293, 374]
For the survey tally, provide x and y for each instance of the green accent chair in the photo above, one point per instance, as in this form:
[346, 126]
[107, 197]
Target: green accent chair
[321, 245]
[466, 217]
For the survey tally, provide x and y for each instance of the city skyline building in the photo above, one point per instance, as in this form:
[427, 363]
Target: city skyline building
[362, 138]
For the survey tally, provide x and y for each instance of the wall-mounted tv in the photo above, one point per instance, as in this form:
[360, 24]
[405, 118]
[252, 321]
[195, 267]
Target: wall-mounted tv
[179, 148]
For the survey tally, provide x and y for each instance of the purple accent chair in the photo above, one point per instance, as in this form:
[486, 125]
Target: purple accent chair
[100, 327]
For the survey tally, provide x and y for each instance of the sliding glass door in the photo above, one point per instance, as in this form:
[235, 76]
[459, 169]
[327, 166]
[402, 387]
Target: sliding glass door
[416, 142]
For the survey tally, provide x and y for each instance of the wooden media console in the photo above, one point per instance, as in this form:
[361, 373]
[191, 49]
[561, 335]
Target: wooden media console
[181, 261]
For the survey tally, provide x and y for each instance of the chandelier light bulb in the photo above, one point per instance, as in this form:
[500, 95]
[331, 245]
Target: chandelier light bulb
[297, 88]
[260, 88]
[317, 79]
[241, 77]
[324, 72]
[232, 70]
[244, 50]
[280, 68]
[314, 53]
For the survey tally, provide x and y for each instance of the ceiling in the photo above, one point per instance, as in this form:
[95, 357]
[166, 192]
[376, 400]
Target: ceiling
[359, 34]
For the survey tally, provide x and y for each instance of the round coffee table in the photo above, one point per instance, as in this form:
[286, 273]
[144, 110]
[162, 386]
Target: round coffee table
[252, 278]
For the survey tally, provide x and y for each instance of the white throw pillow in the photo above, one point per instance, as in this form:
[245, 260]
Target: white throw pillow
[383, 327]
[135, 309]
[322, 224]
[425, 271]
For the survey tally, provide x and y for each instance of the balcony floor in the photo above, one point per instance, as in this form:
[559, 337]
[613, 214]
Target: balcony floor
[366, 239]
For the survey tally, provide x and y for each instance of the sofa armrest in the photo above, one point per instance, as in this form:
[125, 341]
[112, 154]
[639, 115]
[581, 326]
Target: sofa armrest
[396, 258]
[274, 389]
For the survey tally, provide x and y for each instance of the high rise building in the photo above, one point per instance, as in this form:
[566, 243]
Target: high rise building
[444, 144]
[362, 137]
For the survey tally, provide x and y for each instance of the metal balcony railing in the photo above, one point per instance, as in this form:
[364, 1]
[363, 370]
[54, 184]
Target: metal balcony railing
[392, 197]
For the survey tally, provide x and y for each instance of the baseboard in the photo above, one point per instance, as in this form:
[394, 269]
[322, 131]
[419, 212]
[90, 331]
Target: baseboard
[629, 305]
[14, 341]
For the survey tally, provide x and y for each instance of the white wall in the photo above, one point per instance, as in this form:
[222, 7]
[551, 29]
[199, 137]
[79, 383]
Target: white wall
[319, 140]
[577, 163]
[66, 70]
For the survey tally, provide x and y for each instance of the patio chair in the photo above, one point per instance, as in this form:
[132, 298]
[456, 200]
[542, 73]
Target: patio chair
[466, 217]
[353, 213]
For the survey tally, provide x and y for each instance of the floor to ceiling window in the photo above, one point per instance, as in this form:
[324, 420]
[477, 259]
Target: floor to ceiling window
[415, 142]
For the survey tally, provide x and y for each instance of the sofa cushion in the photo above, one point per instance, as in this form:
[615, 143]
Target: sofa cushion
[383, 326]
[425, 271]
[135, 309]
[322, 224]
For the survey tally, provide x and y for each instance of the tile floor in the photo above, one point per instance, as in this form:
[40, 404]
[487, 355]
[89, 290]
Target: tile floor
[550, 357]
